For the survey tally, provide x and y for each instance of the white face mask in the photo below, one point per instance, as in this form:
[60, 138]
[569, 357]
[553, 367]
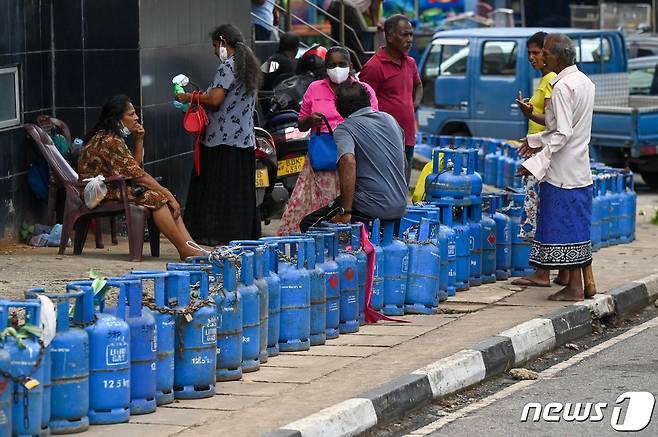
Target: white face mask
[223, 53]
[124, 131]
[338, 75]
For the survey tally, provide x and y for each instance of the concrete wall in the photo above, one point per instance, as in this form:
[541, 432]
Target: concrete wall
[92, 50]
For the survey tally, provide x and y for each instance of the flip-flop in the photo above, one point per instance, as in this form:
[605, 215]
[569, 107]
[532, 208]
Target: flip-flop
[525, 282]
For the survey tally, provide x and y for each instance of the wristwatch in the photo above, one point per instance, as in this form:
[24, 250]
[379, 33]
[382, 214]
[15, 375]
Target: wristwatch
[343, 211]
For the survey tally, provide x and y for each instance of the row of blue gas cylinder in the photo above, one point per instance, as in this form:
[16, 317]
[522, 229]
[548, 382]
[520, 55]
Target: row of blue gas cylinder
[497, 161]
[151, 337]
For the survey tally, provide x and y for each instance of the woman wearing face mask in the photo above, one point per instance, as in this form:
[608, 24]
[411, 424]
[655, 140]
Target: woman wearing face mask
[221, 202]
[315, 189]
[106, 153]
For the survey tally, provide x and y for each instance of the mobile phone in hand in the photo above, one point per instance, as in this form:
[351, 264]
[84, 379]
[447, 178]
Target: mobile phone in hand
[520, 95]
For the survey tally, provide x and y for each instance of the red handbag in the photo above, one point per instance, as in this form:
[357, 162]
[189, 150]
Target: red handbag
[195, 122]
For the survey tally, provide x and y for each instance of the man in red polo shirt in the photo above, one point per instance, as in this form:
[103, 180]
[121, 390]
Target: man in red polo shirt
[393, 74]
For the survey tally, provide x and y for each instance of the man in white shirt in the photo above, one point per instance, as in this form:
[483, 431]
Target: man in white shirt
[559, 158]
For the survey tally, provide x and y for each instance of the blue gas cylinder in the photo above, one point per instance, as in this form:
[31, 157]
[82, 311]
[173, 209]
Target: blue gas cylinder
[196, 340]
[597, 214]
[462, 241]
[422, 296]
[69, 365]
[606, 201]
[475, 240]
[229, 333]
[616, 198]
[250, 303]
[348, 281]
[26, 363]
[260, 254]
[326, 260]
[452, 182]
[444, 141]
[447, 234]
[490, 162]
[109, 354]
[396, 267]
[47, 392]
[500, 165]
[377, 300]
[628, 207]
[295, 296]
[362, 268]
[520, 247]
[474, 177]
[6, 390]
[511, 165]
[480, 145]
[165, 323]
[273, 300]
[489, 240]
[503, 240]
[440, 239]
[143, 348]
[318, 291]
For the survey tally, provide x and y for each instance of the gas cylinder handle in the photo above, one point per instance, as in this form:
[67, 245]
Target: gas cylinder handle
[247, 269]
[229, 275]
[356, 236]
[375, 236]
[424, 230]
[84, 309]
[124, 296]
[62, 302]
[158, 279]
[32, 312]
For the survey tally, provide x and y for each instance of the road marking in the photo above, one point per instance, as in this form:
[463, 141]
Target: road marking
[549, 373]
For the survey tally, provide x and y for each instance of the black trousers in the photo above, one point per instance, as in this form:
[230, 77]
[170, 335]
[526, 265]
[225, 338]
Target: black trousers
[328, 212]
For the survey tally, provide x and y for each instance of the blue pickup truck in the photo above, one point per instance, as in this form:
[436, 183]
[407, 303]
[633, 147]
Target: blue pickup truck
[472, 77]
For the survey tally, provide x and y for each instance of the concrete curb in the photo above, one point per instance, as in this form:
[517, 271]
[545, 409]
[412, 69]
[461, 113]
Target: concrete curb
[489, 357]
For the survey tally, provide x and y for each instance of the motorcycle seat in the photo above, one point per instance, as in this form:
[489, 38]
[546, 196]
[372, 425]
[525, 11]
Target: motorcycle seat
[284, 117]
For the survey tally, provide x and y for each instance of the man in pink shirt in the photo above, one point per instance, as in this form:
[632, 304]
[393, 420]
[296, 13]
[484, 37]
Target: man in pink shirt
[393, 74]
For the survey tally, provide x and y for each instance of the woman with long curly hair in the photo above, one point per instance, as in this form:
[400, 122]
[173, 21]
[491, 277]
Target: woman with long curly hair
[221, 203]
[106, 153]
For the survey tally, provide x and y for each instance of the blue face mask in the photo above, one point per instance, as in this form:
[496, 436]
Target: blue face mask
[125, 132]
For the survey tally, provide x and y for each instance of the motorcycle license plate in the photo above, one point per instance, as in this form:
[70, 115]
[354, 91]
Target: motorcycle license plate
[262, 178]
[290, 166]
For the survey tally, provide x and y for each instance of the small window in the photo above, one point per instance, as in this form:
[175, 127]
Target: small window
[447, 57]
[642, 81]
[499, 58]
[593, 50]
[10, 114]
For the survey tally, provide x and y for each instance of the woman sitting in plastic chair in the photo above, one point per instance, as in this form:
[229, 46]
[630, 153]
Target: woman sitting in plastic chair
[106, 153]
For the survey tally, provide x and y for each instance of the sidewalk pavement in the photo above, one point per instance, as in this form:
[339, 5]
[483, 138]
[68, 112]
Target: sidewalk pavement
[294, 385]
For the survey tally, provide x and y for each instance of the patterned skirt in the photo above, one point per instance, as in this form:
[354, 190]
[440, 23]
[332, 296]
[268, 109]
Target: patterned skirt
[562, 238]
[313, 190]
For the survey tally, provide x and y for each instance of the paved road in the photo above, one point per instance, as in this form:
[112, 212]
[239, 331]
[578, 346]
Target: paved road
[630, 365]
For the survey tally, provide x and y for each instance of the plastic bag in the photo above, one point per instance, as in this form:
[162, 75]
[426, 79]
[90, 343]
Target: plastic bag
[95, 191]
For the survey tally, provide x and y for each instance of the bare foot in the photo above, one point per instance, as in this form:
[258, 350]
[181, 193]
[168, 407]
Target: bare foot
[562, 278]
[533, 280]
[568, 294]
